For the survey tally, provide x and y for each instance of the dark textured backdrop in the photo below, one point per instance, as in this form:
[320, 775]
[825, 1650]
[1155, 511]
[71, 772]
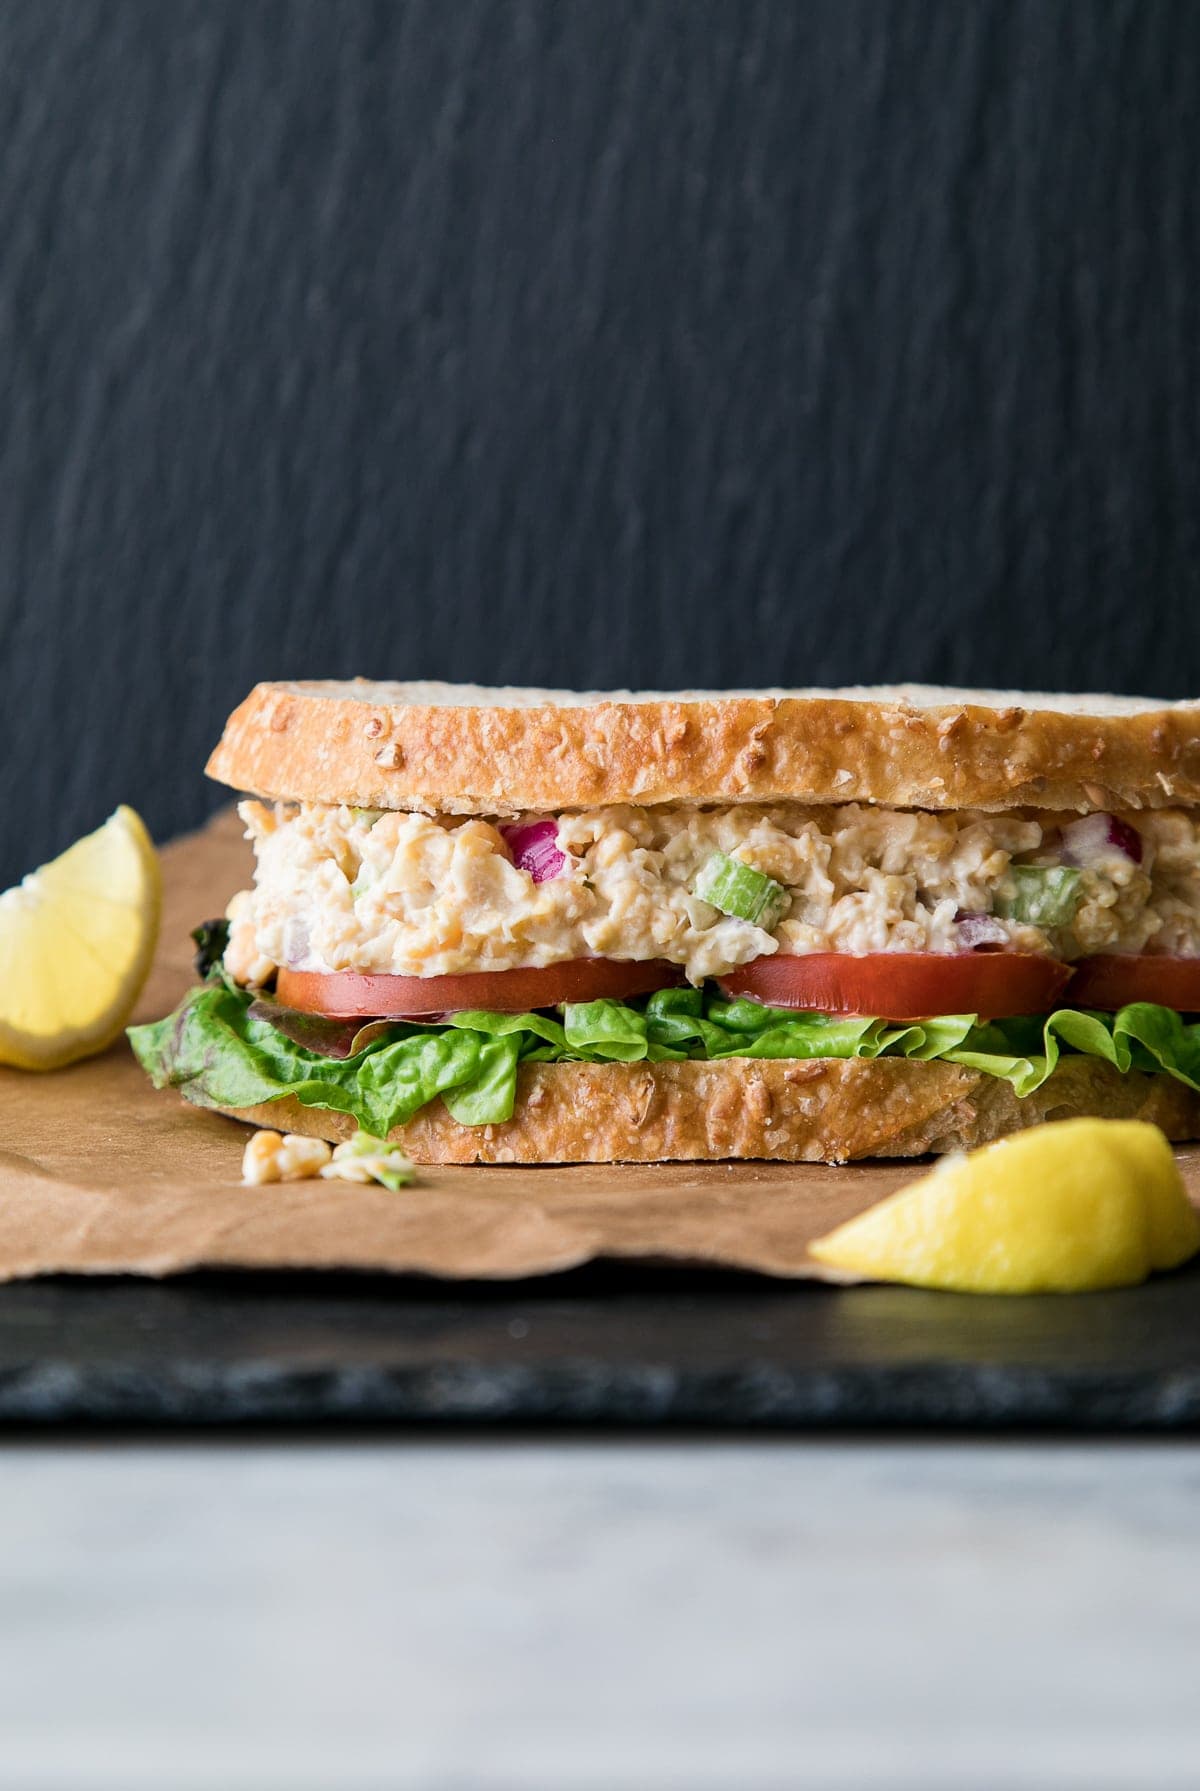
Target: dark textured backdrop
[677, 341]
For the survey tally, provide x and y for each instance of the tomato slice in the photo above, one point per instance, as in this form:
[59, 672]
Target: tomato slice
[345, 995]
[905, 985]
[1110, 980]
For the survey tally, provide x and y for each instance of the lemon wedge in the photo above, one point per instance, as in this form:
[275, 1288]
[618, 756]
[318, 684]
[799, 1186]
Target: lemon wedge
[76, 939]
[1077, 1204]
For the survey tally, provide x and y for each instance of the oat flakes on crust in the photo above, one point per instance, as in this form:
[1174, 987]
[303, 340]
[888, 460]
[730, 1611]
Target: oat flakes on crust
[830, 1110]
[462, 749]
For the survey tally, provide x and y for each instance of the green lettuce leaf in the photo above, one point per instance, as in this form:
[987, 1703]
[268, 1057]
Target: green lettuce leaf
[217, 1054]
[220, 1050]
[1141, 1036]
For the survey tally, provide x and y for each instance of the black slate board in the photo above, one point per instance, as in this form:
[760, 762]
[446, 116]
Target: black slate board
[600, 1346]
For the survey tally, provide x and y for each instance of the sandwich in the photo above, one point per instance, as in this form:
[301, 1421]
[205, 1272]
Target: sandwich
[523, 926]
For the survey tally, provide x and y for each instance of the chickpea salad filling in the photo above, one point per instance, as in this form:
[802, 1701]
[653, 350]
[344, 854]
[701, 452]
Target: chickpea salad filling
[704, 889]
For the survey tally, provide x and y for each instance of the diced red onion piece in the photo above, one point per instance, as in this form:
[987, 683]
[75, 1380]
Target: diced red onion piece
[295, 943]
[535, 849]
[1094, 837]
[975, 930]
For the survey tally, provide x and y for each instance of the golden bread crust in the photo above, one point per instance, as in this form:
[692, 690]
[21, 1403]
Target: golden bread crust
[455, 749]
[827, 1110]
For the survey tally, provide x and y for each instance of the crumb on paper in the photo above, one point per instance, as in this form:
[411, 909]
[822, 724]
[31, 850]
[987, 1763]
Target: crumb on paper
[283, 1157]
[287, 1157]
[367, 1159]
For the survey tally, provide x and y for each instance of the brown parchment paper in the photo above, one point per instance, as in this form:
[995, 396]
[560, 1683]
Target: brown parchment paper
[99, 1173]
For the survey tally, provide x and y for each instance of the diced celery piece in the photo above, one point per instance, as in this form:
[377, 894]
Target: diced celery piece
[741, 891]
[1043, 895]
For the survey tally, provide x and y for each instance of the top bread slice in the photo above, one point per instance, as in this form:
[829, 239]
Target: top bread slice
[463, 749]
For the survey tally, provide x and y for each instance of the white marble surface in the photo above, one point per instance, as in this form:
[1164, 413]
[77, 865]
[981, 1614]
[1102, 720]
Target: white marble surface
[586, 1615]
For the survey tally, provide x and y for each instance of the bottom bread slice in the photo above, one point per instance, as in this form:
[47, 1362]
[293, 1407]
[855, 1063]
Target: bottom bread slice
[824, 1110]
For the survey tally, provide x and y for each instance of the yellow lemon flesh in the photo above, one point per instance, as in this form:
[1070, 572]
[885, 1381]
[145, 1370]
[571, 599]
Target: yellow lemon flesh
[1077, 1204]
[76, 939]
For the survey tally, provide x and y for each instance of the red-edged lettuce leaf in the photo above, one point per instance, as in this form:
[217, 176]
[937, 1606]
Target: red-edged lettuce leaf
[327, 1038]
